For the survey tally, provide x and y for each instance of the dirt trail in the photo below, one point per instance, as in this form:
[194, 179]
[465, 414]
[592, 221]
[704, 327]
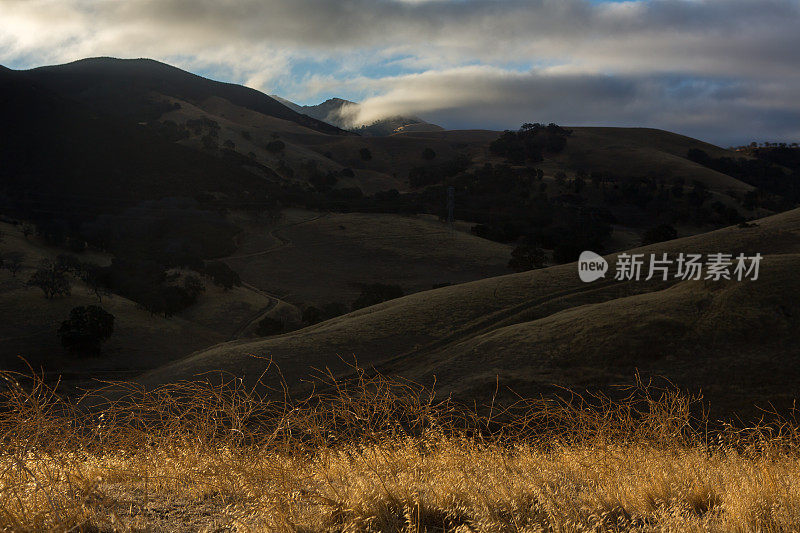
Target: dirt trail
[274, 300]
[284, 241]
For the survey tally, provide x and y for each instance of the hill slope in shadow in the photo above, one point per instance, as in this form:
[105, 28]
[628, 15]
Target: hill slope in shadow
[125, 86]
[62, 158]
[544, 329]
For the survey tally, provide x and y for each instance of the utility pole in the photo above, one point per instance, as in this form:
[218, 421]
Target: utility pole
[451, 205]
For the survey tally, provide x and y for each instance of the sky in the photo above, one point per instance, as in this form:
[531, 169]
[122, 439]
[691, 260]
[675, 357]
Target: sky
[725, 71]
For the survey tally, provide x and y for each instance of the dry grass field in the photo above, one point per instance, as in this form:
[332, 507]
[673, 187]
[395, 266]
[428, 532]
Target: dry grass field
[381, 456]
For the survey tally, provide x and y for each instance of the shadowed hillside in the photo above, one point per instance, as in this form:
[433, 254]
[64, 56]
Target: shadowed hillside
[545, 327]
[168, 173]
[62, 158]
[124, 87]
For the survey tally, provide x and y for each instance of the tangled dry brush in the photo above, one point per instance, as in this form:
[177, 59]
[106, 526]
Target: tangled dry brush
[381, 455]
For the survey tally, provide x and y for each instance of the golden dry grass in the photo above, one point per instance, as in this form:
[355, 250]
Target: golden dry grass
[375, 455]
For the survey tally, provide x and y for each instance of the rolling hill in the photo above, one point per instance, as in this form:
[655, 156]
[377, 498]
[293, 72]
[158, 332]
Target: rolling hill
[126, 87]
[235, 129]
[140, 341]
[117, 140]
[317, 259]
[62, 157]
[543, 329]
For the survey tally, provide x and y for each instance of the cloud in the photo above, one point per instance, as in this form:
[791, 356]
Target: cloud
[614, 58]
[724, 109]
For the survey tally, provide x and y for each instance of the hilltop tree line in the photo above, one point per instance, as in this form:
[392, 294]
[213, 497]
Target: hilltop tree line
[774, 171]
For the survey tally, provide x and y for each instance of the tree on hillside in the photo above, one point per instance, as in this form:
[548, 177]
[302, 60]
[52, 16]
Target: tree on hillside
[525, 257]
[12, 262]
[51, 278]
[312, 315]
[193, 286]
[222, 275]
[579, 183]
[365, 154]
[27, 229]
[428, 154]
[86, 329]
[93, 276]
[209, 142]
[269, 326]
[661, 233]
[69, 264]
[275, 147]
[375, 293]
[699, 193]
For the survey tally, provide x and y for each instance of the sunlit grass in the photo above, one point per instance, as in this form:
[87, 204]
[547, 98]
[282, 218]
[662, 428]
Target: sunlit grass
[375, 455]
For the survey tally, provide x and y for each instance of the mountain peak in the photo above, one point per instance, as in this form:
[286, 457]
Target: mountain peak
[119, 86]
[337, 101]
[343, 114]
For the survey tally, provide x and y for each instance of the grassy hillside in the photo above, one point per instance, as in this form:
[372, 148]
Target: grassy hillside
[124, 87]
[642, 152]
[556, 330]
[63, 161]
[627, 152]
[317, 258]
[140, 340]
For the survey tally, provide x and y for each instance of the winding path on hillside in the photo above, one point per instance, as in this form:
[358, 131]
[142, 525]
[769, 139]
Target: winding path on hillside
[273, 299]
[284, 241]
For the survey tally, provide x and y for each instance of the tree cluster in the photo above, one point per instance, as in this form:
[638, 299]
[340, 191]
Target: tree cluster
[530, 143]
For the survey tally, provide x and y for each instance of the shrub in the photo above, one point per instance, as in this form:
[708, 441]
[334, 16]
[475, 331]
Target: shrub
[193, 286]
[86, 329]
[365, 154]
[52, 279]
[525, 257]
[312, 315]
[323, 182]
[661, 233]
[28, 229]
[567, 252]
[222, 275]
[334, 309]
[209, 142]
[276, 147]
[428, 154]
[93, 276]
[269, 326]
[376, 293]
[12, 262]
